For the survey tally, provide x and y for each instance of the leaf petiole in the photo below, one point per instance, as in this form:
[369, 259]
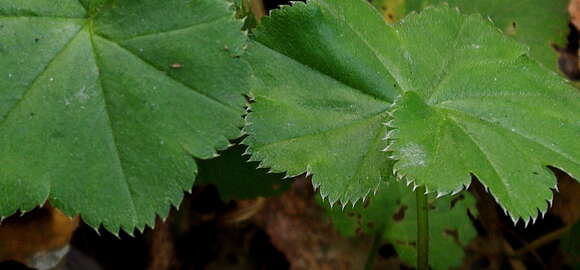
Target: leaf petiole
[422, 229]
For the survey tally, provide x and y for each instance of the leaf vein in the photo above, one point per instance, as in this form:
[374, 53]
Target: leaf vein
[364, 157]
[373, 50]
[117, 152]
[487, 159]
[448, 62]
[347, 125]
[28, 90]
[150, 64]
[490, 122]
[185, 28]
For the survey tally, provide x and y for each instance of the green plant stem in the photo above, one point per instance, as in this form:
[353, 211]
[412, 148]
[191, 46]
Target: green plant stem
[422, 229]
[377, 241]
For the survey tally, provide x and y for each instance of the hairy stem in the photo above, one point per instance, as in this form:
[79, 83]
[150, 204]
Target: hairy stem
[422, 229]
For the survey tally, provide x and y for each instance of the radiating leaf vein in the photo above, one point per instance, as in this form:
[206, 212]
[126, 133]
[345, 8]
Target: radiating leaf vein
[116, 154]
[537, 141]
[487, 159]
[150, 64]
[371, 48]
[177, 30]
[28, 90]
[352, 123]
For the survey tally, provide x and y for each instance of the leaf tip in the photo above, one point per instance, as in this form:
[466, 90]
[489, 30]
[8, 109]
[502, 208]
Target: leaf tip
[316, 186]
[332, 202]
[457, 190]
[440, 194]
[526, 221]
[344, 204]
[415, 186]
[390, 123]
[514, 220]
[543, 212]
[534, 218]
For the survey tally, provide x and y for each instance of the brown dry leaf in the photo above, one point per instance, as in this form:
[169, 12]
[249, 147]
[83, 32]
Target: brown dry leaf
[574, 10]
[298, 228]
[41, 230]
[161, 247]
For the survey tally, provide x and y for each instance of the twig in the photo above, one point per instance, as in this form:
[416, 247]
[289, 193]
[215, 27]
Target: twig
[545, 239]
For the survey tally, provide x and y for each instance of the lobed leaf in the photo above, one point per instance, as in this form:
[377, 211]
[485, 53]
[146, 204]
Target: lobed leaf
[469, 101]
[104, 104]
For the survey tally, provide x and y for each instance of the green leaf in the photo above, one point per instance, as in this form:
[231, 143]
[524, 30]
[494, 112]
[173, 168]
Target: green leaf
[537, 23]
[320, 112]
[238, 179]
[104, 103]
[393, 210]
[471, 102]
[489, 111]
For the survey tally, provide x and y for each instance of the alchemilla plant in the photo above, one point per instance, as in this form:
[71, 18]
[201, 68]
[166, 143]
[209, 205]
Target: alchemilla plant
[443, 95]
[104, 106]
[106, 103]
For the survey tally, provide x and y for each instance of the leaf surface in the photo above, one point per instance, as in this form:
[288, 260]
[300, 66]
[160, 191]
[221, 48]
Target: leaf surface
[104, 104]
[469, 101]
[393, 211]
[321, 99]
[537, 23]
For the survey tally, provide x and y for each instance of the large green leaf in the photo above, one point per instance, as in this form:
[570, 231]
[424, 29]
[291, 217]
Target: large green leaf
[393, 213]
[104, 103]
[321, 112]
[238, 179]
[538, 23]
[471, 102]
